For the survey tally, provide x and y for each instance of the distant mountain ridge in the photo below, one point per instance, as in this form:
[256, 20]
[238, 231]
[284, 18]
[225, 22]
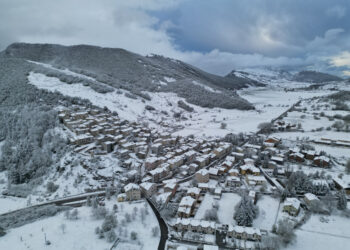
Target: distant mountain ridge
[315, 77]
[120, 68]
[276, 76]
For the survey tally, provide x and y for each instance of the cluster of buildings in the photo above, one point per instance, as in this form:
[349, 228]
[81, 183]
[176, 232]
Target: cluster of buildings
[97, 132]
[165, 162]
[316, 158]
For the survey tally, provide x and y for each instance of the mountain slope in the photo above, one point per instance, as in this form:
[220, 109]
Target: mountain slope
[123, 69]
[315, 77]
[243, 77]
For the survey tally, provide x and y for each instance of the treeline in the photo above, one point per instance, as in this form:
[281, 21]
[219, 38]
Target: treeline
[199, 96]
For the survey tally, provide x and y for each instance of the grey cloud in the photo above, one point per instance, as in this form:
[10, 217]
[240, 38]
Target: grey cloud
[214, 35]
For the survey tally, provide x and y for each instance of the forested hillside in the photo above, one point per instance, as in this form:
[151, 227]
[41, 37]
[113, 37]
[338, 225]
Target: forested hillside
[123, 69]
[30, 143]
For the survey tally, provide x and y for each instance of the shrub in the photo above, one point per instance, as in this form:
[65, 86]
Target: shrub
[149, 108]
[51, 187]
[223, 125]
[265, 127]
[133, 235]
[347, 166]
[286, 230]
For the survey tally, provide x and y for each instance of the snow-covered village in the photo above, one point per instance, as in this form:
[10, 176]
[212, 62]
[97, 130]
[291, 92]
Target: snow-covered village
[114, 147]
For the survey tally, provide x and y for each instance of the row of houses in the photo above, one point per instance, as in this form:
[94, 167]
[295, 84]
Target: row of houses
[210, 227]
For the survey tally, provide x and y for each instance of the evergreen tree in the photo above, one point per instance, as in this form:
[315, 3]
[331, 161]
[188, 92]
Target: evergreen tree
[342, 201]
[109, 223]
[245, 212]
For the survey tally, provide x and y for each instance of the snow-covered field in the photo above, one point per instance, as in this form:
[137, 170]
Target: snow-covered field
[268, 209]
[8, 203]
[227, 205]
[80, 234]
[333, 233]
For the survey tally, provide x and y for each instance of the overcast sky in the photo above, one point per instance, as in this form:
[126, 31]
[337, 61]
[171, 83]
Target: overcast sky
[215, 35]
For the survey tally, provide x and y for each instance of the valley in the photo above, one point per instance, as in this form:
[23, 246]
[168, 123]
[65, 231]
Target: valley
[115, 161]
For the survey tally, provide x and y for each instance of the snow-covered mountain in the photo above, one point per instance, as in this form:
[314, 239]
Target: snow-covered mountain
[315, 77]
[121, 69]
[265, 75]
[283, 78]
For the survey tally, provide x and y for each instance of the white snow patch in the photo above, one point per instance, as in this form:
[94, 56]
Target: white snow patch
[169, 79]
[205, 87]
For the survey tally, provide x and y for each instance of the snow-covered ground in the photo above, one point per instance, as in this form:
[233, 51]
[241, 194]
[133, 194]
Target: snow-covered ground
[333, 232]
[8, 203]
[268, 209]
[313, 135]
[269, 103]
[80, 234]
[226, 204]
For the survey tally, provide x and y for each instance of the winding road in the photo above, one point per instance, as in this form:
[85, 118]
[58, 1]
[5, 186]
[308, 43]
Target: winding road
[163, 227]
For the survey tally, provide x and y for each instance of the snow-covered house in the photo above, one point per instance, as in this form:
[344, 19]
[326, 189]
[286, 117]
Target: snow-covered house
[194, 192]
[245, 233]
[148, 188]
[233, 172]
[194, 225]
[249, 169]
[217, 193]
[255, 180]
[159, 173]
[299, 157]
[219, 152]
[310, 199]
[238, 155]
[190, 156]
[152, 163]
[213, 173]
[201, 161]
[108, 146]
[83, 139]
[193, 167]
[291, 206]
[176, 162]
[322, 161]
[155, 148]
[164, 198]
[273, 140]
[171, 187]
[248, 161]
[277, 159]
[233, 181]
[309, 154]
[132, 191]
[202, 176]
[186, 206]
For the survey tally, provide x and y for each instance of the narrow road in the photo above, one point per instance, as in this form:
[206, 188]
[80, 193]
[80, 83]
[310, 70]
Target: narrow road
[163, 227]
[60, 201]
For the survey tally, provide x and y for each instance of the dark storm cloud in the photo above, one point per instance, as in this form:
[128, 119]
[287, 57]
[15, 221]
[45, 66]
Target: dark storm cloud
[215, 35]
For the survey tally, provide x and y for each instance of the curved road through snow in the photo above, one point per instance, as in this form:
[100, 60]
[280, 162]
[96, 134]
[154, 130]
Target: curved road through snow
[163, 227]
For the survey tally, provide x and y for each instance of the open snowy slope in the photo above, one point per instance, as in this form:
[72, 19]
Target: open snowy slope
[269, 103]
